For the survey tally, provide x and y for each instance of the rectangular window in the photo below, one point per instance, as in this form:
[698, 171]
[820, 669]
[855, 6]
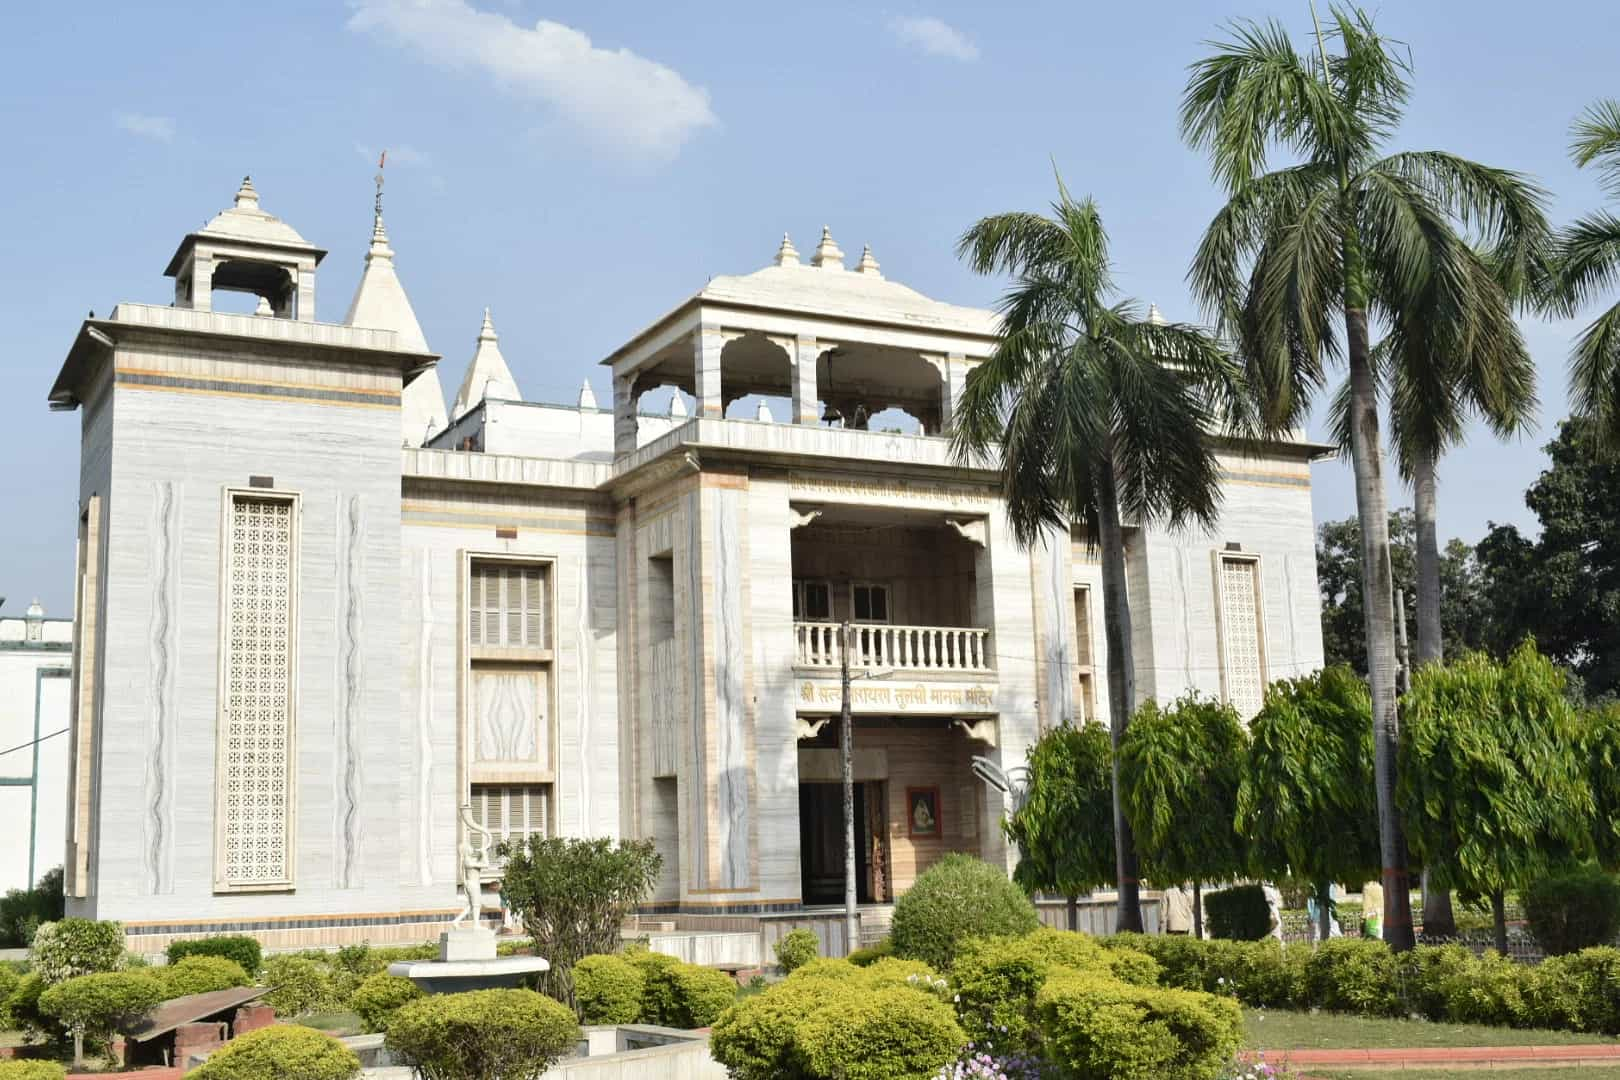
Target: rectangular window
[506, 605]
[1243, 670]
[256, 767]
[812, 601]
[870, 603]
[513, 812]
[1085, 673]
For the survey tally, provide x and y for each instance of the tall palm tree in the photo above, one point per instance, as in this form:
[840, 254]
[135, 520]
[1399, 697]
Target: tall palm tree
[1345, 231]
[1098, 414]
[1452, 357]
[1588, 261]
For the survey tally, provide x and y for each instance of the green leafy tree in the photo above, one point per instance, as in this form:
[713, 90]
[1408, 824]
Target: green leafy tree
[1601, 732]
[1588, 260]
[1180, 768]
[1099, 414]
[1493, 773]
[1564, 586]
[1305, 800]
[1064, 828]
[1343, 230]
[94, 1007]
[573, 896]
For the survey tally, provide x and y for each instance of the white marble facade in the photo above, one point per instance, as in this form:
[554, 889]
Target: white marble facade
[583, 621]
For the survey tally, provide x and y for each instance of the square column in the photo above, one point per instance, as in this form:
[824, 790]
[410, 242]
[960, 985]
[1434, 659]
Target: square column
[624, 415]
[707, 346]
[953, 376]
[806, 350]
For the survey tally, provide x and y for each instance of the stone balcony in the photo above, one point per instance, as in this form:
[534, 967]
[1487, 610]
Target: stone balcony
[943, 650]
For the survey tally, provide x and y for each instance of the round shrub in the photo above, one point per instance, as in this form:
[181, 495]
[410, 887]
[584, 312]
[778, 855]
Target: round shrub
[32, 1070]
[1239, 913]
[379, 997]
[1099, 1028]
[997, 979]
[238, 947]
[1575, 910]
[482, 1035]
[283, 1052]
[883, 1034]
[797, 949]
[678, 994]
[1353, 975]
[94, 1007]
[23, 1005]
[608, 989]
[1488, 990]
[872, 953]
[957, 898]
[298, 985]
[72, 947]
[200, 974]
[757, 1038]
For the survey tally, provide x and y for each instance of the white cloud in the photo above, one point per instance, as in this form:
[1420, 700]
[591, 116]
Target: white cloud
[160, 128]
[622, 100]
[936, 37]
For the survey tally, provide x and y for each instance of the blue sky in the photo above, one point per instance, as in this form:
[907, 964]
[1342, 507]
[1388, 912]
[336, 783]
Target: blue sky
[581, 167]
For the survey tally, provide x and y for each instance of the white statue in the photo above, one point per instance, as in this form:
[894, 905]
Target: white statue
[474, 861]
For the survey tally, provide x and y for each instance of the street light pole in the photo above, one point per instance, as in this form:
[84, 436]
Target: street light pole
[846, 738]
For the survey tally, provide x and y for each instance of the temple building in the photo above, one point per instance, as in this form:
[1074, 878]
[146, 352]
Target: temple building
[319, 610]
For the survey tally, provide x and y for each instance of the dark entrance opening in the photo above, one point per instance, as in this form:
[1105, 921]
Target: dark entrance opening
[821, 844]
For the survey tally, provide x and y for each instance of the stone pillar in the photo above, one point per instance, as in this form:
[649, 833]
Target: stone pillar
[304, 305]
[953, 376]
[806, 350]
[624, 415]
[707, 345]
[202, 283]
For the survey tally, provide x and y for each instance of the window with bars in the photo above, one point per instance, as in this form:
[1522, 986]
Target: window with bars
[256, 767]
[506, 604]
[1085, 673]
[512, 812]
[1243, 672]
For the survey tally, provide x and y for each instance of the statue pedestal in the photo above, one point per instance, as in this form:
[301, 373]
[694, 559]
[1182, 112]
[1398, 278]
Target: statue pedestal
[466, 943]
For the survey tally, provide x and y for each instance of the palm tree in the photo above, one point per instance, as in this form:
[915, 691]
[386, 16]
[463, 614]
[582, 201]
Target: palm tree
[1454, 356]
[1588, 261]
[1343, 231]
[1099, 414]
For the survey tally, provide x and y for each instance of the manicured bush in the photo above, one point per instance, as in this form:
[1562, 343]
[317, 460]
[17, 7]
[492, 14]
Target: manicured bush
[23, 1005]
[996, 980]
[1574, 910]
[1239, 913]
[10, 977]
[1098, 1028]
[1576, 992]
[957, 898]
[379, 997]
[872, 953]
[32, 1070]
[1353, 975]
[201, 974]
[94, 1007]
[831, 1019]
[1423, 974]
[238, 947]
[608, 989]
[23, 911]
[884, 1034]
[298, 985]
[797, 949]
[678, 994]
[1490, 990]
[73, 947]
[283, 1052]
[482, 1035]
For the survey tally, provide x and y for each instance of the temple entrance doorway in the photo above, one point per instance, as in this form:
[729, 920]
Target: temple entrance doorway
[821, 842]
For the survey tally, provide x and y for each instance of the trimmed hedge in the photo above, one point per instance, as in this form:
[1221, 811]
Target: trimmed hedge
[298, 986]
[831, 1019]
[379, 997]
[1575, 910]
[1099, 1028]
[608, 990]
[201, 973]
[871, 954]
[238, 947]
[797, 948]
[1239, 913]
[957, 898]
[32, 1070]
[482, 1035]
[677, 994]
[73, 947]
[283, 1052]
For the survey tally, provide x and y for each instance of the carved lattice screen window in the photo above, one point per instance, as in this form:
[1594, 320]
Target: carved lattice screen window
[256, 769]
[1243, 674]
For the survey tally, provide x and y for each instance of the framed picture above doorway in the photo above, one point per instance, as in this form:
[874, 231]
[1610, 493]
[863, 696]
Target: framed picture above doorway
[922, 812]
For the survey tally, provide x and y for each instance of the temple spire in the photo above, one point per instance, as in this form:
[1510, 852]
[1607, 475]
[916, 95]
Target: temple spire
[487, 375]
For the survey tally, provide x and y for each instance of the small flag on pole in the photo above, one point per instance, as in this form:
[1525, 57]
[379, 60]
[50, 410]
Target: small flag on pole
[383, 160]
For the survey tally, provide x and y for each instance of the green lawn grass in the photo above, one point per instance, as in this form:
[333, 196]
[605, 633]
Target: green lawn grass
[1272, 1029]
